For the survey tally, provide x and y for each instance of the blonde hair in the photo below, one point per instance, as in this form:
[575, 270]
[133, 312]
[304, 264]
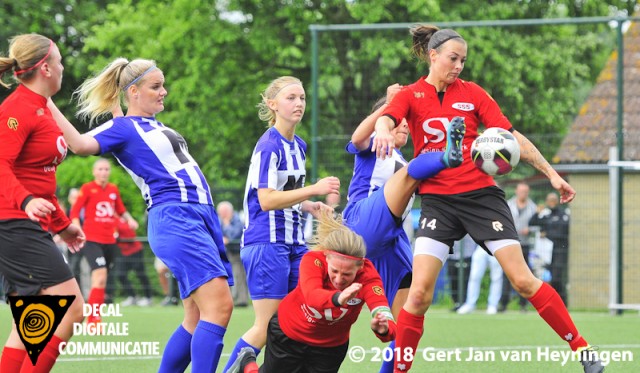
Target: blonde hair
[332, 235]
[25, 52]
[264, 112]
[99, 94]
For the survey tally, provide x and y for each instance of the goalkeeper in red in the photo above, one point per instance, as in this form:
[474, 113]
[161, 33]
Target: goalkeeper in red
[310, 331]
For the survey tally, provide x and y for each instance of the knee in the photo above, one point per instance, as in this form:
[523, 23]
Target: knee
[75, 311]
[525, 285]
[419, 300]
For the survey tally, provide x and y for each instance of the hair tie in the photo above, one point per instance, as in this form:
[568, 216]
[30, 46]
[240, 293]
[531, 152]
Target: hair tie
[138, 78]
[19, 72]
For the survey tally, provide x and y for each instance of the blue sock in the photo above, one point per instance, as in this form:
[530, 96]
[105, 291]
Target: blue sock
[426, 165]
[387, 366]
[236, 350]
[177, 353]
[206, 347]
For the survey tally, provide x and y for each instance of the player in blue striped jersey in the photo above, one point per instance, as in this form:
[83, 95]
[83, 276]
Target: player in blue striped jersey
[380, 196]
[184, 231]
[275, 199]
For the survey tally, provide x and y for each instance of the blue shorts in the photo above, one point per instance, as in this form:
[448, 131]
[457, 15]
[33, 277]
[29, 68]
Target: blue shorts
[272, 269]
[388, 246]
[187, 238]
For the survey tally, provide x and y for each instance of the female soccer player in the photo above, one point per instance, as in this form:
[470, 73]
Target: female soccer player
[275, 198]
[100, 200]
[184, 231]
[32, 148]
[464, 200]
[310, 331]
[381, 194]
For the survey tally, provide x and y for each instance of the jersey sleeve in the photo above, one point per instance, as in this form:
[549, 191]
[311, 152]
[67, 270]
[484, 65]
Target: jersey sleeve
[351, 149]
[312, 272]
[74, 213]
[59, 220]
[399, 107]
[13, 138]
[376, 300]
[111, 135]
[488, 109]
[267, 155]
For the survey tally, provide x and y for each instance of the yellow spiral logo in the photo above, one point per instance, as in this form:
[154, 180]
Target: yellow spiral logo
[36, 322]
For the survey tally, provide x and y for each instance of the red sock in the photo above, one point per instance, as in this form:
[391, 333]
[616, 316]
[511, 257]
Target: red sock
[12, 359]
[410, 328]
[551, 308]
[46, 359]
[252, 367]
[96, 297]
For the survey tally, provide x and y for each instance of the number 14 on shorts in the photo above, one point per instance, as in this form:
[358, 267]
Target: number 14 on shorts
[431, 223]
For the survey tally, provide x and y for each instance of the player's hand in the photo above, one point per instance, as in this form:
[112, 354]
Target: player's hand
[383, 144]
[39, 208]
[327, 185]
[317, 209]
[380, 324]
[74, 237]
[392, 90]
[349, 293]
[133, 224]
[567, 193]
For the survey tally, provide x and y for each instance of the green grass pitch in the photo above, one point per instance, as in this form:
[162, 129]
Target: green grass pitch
[509, 342]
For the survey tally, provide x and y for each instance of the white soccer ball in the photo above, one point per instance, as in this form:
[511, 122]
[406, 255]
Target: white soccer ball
[496, 151]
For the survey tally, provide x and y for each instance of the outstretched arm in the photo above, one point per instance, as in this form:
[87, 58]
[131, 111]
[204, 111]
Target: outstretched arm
[531, 154]
[271, 199]
[81, 144]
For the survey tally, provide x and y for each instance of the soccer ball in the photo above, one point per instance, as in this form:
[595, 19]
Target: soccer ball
[496, 151]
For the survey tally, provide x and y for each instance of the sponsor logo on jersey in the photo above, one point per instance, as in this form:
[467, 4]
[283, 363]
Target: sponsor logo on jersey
[354, 301]
[377, 290]
[318, 263]
[464, 106]
[12, 123]
[112, 196]
[418, 94]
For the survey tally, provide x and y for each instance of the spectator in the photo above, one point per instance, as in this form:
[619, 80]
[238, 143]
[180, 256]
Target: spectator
[479, 262]
[553, 221]
[522, 209]
[168, 283]
[75, 259]
[462, 251]
[231, 234]
[132, 259]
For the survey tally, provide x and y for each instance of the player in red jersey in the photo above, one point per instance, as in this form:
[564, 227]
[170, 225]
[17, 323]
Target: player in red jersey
[463, 200]
[32, 148]
[100, 200]
[310, 331]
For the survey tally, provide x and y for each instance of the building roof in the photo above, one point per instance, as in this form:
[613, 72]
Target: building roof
[593, 131]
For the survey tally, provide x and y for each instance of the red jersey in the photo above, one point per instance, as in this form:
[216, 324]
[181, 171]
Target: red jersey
[428, 122]
[308, 315]
[100, 205]
[129, 246]
[32, 147]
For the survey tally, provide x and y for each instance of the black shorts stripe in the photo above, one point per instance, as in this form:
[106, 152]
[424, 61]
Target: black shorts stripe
[483, 214]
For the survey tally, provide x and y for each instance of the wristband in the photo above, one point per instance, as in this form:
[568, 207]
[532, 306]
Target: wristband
[334, 299]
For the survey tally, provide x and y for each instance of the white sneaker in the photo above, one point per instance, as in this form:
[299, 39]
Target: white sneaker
[144, 302]
[492, 310]
[129, 301]
[464, 309]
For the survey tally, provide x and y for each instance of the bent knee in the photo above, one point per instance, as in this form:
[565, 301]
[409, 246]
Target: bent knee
[525, 285]
[419, 300]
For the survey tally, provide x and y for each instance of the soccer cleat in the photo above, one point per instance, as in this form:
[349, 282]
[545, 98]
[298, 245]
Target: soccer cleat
[453, 152]
[245, 356]
[144, 302]
[492, 310]
[129, 301]
[464, 309]
[589, 360]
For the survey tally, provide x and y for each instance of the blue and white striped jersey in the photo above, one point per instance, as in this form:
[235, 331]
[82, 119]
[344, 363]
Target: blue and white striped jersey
[279, 164]
[371, 173]
[157, 159]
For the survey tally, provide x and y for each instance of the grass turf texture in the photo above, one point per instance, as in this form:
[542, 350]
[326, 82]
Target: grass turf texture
[511, 333]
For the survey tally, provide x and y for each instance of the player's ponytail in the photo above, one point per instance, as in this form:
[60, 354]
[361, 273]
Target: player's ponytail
[428, 37]
[333, 235]
[26, 52]
[100, 94]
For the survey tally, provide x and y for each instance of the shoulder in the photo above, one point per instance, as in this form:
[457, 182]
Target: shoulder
[301, 143]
